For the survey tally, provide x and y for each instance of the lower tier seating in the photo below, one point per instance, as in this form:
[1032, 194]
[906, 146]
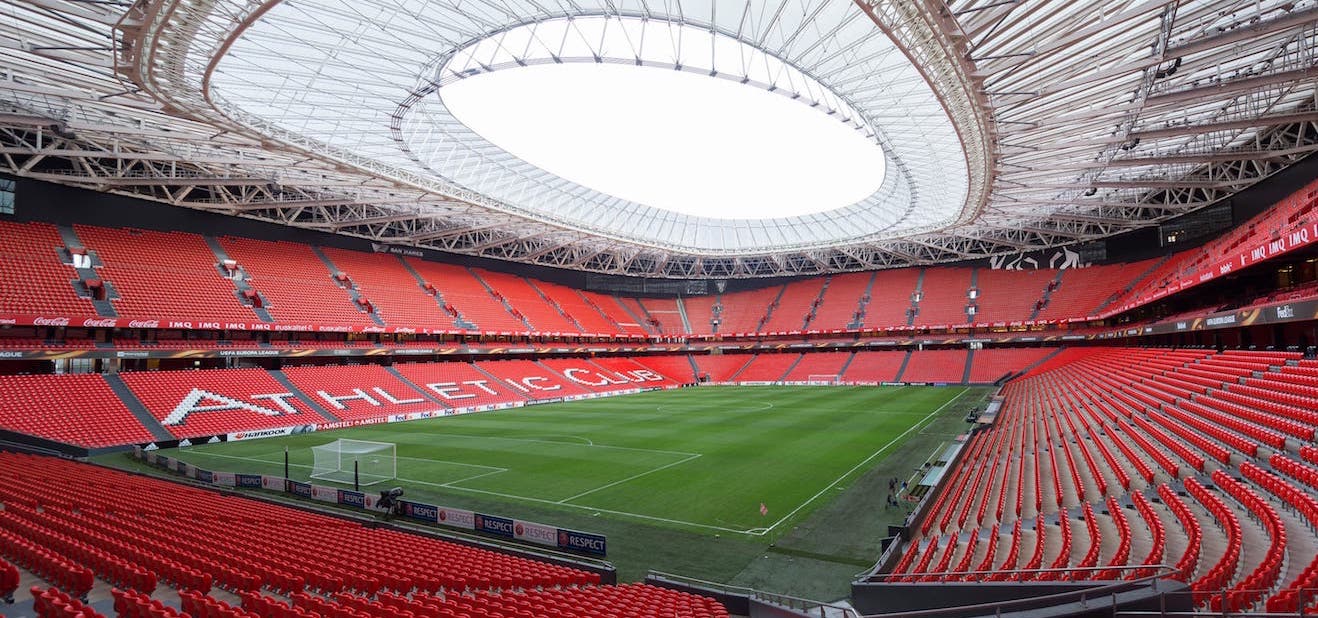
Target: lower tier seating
[1105, 462]
[74, 409]
[72, 524]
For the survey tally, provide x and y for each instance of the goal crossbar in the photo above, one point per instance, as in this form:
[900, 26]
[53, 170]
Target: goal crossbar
[360, 461]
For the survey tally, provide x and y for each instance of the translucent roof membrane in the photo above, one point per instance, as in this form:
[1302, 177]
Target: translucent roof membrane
[857, 145]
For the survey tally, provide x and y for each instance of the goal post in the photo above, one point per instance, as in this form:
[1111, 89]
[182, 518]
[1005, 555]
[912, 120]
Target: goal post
[360, 461]
[823, 378]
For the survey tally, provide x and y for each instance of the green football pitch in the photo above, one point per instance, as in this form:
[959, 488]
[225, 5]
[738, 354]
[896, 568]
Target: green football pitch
[657, 471]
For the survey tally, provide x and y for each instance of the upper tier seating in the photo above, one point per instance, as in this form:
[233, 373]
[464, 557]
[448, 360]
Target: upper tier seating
[612, 308]
[315, 562]
[218, 401]
[164, 275]
[397, 296]
[584, 312]
[175, 276]
[651, 324]
[665, 313]
[360, 391]
[1095, 425]
[298, 286]
[467, 296]
[794, 306]
[1007, 295]
[890, 297]
[841, 302]
[700, 313]
[1083, 290]
[74, 409]
[743, 311]
[528, 302]
[1289, 213]
[32, 279]
[944, 295]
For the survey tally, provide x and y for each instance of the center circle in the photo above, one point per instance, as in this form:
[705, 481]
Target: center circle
[761, 143]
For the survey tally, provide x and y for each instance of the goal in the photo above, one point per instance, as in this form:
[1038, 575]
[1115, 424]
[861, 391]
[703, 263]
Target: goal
[823, 378]
[372, 462]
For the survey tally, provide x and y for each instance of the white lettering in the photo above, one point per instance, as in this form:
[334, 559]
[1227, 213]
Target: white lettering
[357, 395]
[390, 398]
[278, 399]
[193, 402]
[532, 382]
[449, 390]
[572, 372]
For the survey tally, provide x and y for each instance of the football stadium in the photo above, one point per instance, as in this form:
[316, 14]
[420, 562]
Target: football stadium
[670, 309]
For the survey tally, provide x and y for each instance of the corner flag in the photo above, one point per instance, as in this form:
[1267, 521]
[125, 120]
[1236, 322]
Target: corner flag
[764, 510]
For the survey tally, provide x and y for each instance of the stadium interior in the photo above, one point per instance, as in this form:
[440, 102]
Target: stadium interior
[1071, 322]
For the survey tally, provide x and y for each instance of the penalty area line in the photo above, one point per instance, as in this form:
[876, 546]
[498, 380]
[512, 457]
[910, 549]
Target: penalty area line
[630, 478]
[858, 466]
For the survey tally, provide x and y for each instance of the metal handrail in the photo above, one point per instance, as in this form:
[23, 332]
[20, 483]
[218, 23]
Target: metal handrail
[997, 607]
[1165, 568]
[784, 600]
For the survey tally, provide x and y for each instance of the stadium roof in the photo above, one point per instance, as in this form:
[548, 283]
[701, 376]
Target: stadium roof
[1004, 125]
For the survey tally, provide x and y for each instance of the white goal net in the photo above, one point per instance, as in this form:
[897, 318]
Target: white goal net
[340, 460]
[822, 378]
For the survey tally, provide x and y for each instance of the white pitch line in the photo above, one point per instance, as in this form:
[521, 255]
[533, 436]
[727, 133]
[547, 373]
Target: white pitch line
[862, 463]
[600, 510]
[630, 478]
[453, 487]
[262, 459]
[591, 445]
[469, 478]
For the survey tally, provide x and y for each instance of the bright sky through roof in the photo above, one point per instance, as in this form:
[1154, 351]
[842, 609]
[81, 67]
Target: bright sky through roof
[679, 141]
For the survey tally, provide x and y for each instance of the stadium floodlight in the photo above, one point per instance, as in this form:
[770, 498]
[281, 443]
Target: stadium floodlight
[355, 461]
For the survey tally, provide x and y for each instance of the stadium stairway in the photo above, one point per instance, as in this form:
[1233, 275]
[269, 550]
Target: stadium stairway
[905, 361]
[554, 304]
[768, 312]
[134, 405]
[681, 312]
[862, 303]
[292, 388]
[845, 364]
[350, 288]
[970, 362]
[240, 284]
[641, 317]
[750, 358]
[914, 311]
[1047, 294]
[972, 304]
[437, 294]
[503, 301]
[104, 307]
